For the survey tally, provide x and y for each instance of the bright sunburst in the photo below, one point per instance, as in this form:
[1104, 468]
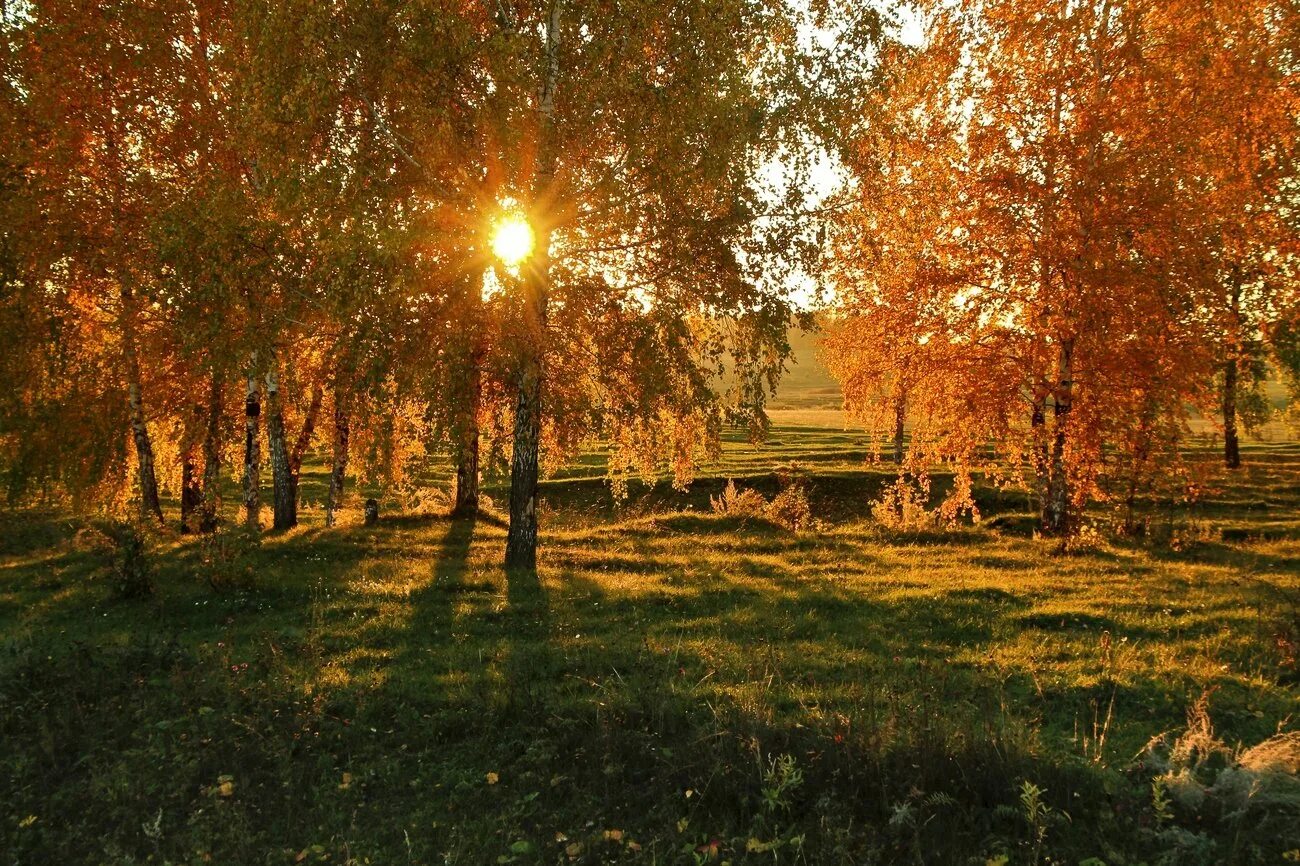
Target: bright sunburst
[512, 242]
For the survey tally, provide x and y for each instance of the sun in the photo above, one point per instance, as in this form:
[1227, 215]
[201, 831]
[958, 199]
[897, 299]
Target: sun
[512, 241]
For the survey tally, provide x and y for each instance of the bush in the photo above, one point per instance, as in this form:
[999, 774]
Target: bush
[739, 503]
[791, 508]
[226, 557]
[1181, 535]
[1205, 783]
[127, 557]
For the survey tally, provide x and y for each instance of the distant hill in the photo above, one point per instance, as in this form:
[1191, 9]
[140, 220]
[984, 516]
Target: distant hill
[808, 396]
[807, 384]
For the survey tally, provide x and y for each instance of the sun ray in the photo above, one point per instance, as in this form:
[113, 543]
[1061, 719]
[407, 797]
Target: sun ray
[512, 240]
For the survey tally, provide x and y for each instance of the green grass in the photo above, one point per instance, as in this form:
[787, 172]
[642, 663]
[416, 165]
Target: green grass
[386, 695]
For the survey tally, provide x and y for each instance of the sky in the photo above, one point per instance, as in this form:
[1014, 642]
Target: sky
[827, 174]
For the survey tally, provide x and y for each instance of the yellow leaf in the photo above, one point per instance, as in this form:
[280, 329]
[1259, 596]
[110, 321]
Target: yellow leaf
[613, 835]
[493, 778]
[573, 849]
[346, 783]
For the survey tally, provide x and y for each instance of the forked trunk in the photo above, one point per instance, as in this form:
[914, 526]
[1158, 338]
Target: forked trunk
[1231, 442]
[303, 442]
[1141, 452]
[191, 487]
[211, 508]
[252, 454]
[1056, 507]
[191, 482]
[1038, 433]
[467, 471]
[286, 506]
[338, 472]
[521, 539]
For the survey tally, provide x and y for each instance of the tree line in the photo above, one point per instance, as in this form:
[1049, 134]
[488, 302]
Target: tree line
[234, 231]
[1074, 226]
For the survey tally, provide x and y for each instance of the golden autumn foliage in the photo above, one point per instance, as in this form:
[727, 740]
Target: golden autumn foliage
[1065, 216]
[254, 230]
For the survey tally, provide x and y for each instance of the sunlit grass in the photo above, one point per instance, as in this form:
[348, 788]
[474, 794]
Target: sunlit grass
[664, 648]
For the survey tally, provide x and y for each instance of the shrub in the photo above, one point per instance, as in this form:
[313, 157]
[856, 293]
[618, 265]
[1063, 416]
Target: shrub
[226, 557]
[1182, 535]
[1087, 537]
[739, 503]
[125, 550]
[1210, 782]
[790, 508]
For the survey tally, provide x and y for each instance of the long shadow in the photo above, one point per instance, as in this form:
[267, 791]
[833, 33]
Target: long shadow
[466, 650]
[591, 701]
[531, 668]
[450, 567]
[443, 660]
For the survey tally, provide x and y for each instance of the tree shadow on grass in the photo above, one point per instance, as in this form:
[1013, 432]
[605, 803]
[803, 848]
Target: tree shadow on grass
[516, 707]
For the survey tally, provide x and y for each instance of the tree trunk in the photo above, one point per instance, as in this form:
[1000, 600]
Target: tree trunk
[147, 477]
[467, 430]
[1231, 443]
[339, 471]
[900, 419]
[150, 503]
[1056, 511]
[191, 489]
[303, 441]
[1040, 454]
[211, 508]
[467, 471]
[252, 455]
[286, 506]
[521, 539]
[1141, 451]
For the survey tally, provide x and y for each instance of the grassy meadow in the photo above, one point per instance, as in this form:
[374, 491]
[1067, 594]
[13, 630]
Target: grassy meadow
[676, 686]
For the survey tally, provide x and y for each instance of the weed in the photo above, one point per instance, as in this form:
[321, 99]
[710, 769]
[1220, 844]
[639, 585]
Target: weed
[733, 502]
[1038, 817]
